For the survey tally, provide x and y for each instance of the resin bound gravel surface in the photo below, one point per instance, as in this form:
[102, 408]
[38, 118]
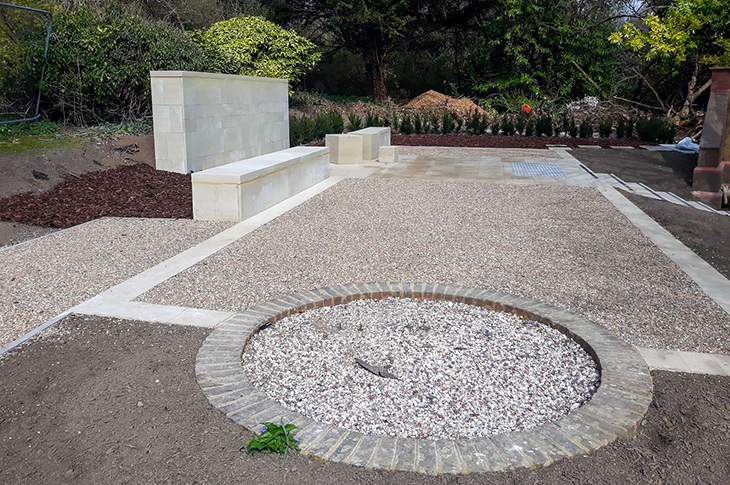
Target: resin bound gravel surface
[451, 370]
[44, 277]
[567, 246]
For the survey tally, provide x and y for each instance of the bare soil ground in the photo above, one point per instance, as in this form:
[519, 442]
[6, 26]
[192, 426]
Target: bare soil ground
[663, 171]
[112, 401]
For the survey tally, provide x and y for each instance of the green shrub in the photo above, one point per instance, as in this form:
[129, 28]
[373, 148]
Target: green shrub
[605, 128]
[530, 128]
[434, 122]
[572, 128]
[585, 130]
[417, 124]
[495, 126]
[621, 131]
[35, 128]
[508, 126]
[544, 126]
[373, 120]
[354, 122]
[448, 123]
[520, 123]
[406, 126]
[310, 128]
[254, 46]
[99, 63]
[654, 130]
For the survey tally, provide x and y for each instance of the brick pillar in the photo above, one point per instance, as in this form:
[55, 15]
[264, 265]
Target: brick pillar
[715, 142]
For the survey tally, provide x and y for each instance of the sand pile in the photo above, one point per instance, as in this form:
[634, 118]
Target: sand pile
[432, 100]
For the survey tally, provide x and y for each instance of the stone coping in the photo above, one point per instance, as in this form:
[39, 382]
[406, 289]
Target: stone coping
[216, 75]
[614, 411]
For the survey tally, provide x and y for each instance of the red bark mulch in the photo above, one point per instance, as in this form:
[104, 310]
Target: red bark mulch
[503, 141]
[128, 191]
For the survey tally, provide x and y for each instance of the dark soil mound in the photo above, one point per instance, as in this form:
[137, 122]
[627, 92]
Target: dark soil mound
[128, 191]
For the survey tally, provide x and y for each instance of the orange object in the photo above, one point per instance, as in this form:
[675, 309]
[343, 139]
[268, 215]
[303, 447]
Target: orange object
[526, 108]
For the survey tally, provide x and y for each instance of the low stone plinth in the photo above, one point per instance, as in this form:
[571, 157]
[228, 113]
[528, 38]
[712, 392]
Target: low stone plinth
[345, 149]
[242, 189]
[372, 139]
[388, 154]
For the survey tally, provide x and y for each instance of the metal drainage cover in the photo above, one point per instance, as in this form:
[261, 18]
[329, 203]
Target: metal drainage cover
[524, 169]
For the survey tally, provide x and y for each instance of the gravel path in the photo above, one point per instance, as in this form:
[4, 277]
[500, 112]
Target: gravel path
[477, 152]
[445, 370]
[42, 278]
[565, 245]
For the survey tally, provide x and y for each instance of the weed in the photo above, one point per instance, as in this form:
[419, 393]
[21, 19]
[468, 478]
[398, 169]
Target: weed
[274, 439]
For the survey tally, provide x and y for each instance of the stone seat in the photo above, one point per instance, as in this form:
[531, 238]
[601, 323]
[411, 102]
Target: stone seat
[239, 190]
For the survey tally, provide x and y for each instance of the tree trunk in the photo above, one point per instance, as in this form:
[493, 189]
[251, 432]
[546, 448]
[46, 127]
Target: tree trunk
[376, 68]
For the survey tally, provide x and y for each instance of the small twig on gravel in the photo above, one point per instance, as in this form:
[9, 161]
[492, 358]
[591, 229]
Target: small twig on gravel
[380, 371]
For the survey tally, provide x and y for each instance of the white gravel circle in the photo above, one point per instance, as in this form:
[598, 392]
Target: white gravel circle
[462, 371]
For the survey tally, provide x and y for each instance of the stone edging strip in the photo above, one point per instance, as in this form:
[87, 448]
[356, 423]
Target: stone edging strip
[616, 409]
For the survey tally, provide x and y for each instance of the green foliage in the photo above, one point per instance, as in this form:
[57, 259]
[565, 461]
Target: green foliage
[373, 120]
[274, 439]
[530, 128]
[508, 126]
[34, 128]
[417, 124]
[495, 126]
[448, 123]
[406, 126]
[624, 127]
[309, 128]
[99, 64]
[654, 130]
[354, 122]
[605, 127]
[520, 123]
[254, 46]
[585, 129]
[476, 123]
[572, 127]
[544, 126]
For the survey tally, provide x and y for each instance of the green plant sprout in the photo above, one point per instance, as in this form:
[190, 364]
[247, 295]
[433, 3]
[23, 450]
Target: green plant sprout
[274, 439]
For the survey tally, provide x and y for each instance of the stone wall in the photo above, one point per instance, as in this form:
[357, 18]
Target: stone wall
[205, 120]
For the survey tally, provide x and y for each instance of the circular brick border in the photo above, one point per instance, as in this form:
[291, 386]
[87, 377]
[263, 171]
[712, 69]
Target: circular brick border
[615, 410]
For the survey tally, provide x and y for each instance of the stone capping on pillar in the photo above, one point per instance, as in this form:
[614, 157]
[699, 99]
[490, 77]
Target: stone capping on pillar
[615, 410]
[203, 120]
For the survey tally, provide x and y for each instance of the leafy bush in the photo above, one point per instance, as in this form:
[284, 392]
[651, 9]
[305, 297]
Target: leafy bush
[406, 126]
[29, 128]
[654, 130]
[354, 122]
[448, 123]
[434, 122]
[417, 124]
[508, 126]
[458, 123]
[621, 131]
[476, 123]
[99, 63]
[585, 130]
[373, 120]
[309, 128]
[520, 124]
[254, 46]
[495, 126]
[544, 126]
[572, 128]
[530, 128]
[605, 128]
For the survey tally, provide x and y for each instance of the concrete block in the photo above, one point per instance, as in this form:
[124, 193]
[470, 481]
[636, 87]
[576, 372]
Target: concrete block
[388, 154]
[242, 189]
[373, 139]
[345, 149]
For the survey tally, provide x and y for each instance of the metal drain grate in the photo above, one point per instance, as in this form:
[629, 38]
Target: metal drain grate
[524, 169]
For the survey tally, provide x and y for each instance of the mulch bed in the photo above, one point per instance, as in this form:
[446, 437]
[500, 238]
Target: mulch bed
[129, 191]
[115, 401]
[502, 141]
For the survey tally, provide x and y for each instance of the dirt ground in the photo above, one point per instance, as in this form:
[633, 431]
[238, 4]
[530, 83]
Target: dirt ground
[102, 400]
[662, 171]
[705, 233]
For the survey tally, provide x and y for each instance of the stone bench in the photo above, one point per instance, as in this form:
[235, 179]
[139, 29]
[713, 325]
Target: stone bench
[357, 146]
[239, 190]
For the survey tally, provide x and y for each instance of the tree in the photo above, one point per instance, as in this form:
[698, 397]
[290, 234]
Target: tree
[691, 35]
[256, 47]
